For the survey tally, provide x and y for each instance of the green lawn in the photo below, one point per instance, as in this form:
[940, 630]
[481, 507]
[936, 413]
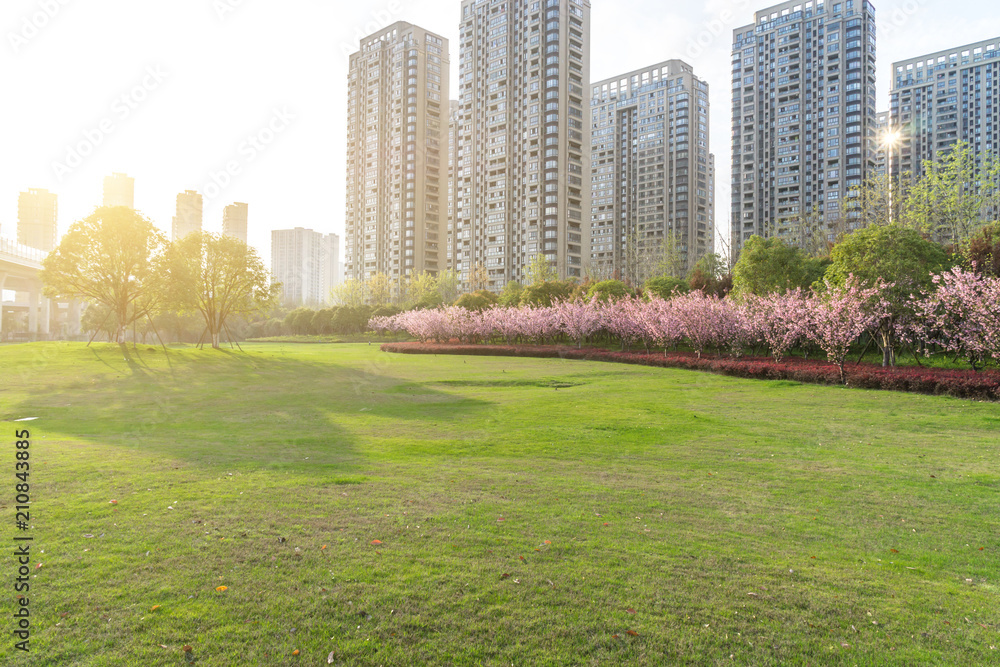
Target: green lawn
[529, 512]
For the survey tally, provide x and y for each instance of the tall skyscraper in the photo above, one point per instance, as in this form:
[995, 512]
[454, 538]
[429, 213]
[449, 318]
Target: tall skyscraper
[188, 218]
[882, 147]
[37, 217]
[943, 98]
[524, 172]
[119, 190]
[306, 263]
[331, 268]
[454, 128]
[651, 173]
[803, 118]
[234, 221]
[396, 154]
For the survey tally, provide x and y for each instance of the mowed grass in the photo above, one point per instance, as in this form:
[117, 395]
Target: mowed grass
[527, 512]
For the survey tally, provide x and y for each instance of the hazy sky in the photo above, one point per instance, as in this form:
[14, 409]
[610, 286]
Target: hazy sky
[179, 94]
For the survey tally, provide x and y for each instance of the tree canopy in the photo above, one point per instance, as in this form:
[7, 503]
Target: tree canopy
[770, 265]
[113, 258]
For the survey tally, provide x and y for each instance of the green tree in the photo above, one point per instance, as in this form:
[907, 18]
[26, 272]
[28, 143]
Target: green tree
[896, 255]
[378, 289]
[711, 276]
[541, 270]
[665, 286]
[956, 195]
[545, 294]
[608, 290]
[511, 294]
[351, 293]
[771, 265]
[112, 258]
[480, 300]
[218, 276]
[422, 291]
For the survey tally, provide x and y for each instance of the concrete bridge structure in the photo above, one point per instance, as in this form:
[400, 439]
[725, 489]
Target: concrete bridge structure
[19, 268]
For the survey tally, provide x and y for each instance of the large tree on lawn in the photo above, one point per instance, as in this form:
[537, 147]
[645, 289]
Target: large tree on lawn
[218, 276]
[890, 254]
[110, 258]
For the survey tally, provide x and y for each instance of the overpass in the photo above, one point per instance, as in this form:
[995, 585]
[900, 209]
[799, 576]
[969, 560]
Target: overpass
[19, 267]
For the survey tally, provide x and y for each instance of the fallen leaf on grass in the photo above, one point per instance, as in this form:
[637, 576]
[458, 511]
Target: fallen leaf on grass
[632, 633]
[222, 589]
[894, 551]
[164, 646]
[376, 542]
[295, 652]
[548, 542]
[630, 610]
[505, 575]
[112, 502]
[155, 607]
[187, 648]
[330, 658]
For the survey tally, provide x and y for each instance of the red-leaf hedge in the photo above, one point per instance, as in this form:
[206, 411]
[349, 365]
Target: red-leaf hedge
[983, 385]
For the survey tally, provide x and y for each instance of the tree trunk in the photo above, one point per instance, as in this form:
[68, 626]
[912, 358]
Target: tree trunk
[215, 340]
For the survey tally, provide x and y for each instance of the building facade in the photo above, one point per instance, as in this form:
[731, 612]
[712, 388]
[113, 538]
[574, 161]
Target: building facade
[882, 144]
[189, 214]
[306, 264]
[943, 98]
[119, 190]
[803, 118]
[234, 220]
[652, 174]
[524, 172]
[397, 154]
[454, 128]
[37, 219]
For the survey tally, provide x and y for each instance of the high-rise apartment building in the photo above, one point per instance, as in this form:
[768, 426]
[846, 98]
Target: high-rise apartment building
[943, 98]
[234, 221]
[37, 218]
[882, 147]
[454, 130]
[803, 118]
[119, 190]
[331, 268]
[524, 172]
[189, 214]
[652, 173]
[306, 263]
[397, 154]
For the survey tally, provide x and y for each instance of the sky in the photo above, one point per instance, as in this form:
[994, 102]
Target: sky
[245, 100]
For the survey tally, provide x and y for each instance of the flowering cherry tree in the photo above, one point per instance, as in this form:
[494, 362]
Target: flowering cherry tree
[962, 316]
[780, 320]
[840, 315]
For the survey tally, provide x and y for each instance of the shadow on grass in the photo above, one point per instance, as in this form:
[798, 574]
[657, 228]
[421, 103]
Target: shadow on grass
[226, 408]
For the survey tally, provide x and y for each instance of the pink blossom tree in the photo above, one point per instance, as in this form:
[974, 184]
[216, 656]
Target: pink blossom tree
[839, 316]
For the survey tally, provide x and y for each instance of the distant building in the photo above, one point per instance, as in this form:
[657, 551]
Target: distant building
[803, 130]
[943, 98]
[396, 153]
[307, 264]
[651, 172]
[234, 221]
[331, 268]
[454, 132]
[37, 215]
[882, 125]
[119, 190]
[189, 214]
[525, 140]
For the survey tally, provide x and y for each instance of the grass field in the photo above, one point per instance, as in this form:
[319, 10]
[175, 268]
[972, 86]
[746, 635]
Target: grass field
[411, 510]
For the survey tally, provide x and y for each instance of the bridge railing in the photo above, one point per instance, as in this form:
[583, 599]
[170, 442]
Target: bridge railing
[18, 251]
